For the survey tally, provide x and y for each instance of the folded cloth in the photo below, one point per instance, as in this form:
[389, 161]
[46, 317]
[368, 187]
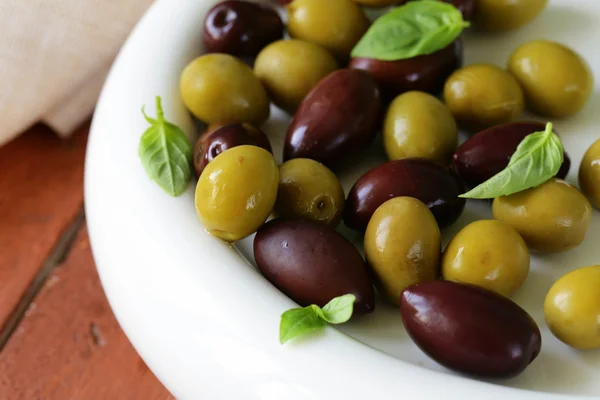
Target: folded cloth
[54, 57]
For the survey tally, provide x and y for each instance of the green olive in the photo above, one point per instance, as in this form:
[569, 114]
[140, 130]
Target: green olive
[551, 218]
[221, 88]
[483, 95]
[336, 25]
[289, 69]
[402, 245]
[236, 192]
[309, 190]
[556, 81]
[506, 15]
[487, 253]
[419, 125]
[589, 174]
[572, 308]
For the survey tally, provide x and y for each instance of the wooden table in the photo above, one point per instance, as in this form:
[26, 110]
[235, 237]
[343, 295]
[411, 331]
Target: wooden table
[58, 337]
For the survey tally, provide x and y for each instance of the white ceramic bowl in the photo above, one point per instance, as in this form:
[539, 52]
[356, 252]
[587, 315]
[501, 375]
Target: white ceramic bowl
[205, 320]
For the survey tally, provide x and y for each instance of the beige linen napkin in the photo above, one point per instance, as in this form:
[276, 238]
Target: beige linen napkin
[54, 57]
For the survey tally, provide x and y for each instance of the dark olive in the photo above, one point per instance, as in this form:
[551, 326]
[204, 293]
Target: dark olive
[470, 329]
[337, 120]
[241, 28]
[466, 7]
[312, 263]
[284, 2]
[432, 183]
[423, 73]
[489, 151]
[213, 142]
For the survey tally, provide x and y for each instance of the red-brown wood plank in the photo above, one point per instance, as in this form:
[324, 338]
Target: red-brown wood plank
[41, 192]
[69, 346]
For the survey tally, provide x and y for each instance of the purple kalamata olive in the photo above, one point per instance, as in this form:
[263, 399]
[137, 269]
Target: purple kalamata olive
[469, 329]
[488, 152]
[337, 120]
[466, 7]
[426, 73]
[312, 263]
[432, 183]
[241, 28]
[215, 141]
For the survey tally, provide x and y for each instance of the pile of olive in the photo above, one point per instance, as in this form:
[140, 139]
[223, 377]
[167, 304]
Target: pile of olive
[402, 205]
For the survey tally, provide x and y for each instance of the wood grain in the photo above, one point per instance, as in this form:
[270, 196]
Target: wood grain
[41, 192]
[69, 346]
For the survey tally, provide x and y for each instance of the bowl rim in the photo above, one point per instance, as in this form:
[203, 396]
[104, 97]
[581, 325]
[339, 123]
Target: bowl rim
[137, 232]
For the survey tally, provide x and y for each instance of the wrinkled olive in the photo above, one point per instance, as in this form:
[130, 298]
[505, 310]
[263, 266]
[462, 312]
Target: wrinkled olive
[423, 73]
[506, 15]
[556, 81]
[336, 25]
[309, 190]
[489, 254]
[572, 308]
[419, 125]
[483, 95]
[489, 151]
[213, 142]
[336, 121]
[289, 69]
[589, 174]
[402, 246]
[219, 87]
[470, 329]
[240, 28]
[230, 201]
[551, 218]
[427, 181]
[312, 263]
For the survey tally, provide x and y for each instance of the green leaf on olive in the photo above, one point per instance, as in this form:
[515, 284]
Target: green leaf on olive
[414, 29]
[537, 159]
[300, 321]
[166, 153]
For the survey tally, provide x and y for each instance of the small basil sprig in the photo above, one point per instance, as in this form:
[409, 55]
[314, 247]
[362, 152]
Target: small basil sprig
[299, 321]
[414, 29]
[166, 153]
[537, 159]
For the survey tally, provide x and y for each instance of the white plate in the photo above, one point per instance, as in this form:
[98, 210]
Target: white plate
[204, 319]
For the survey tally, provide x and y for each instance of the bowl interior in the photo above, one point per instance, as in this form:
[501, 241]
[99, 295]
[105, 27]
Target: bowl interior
[132, 219]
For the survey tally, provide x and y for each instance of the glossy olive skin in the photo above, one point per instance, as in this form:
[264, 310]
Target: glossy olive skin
[309, 190]
[378, 3]
[221, 88]
[466, 7]
[483, 95]
[240, 28]
[336, 25]
[427, 181]
[488, 152]
[489, 254]
[423, 73]
[230, 201]
[336, 121]
[589, 174]
[402, 246]
[551, 218]
[312, 263]
[556, 81]
[289, 69]
[469, 329]
[572, 308]
[506, 15]
[213, 142]
[417, 124]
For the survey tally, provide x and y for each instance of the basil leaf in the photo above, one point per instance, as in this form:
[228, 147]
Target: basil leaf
[166, 153]
[299, 321]
[414, 29]
[537, 159]
[339, 310]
